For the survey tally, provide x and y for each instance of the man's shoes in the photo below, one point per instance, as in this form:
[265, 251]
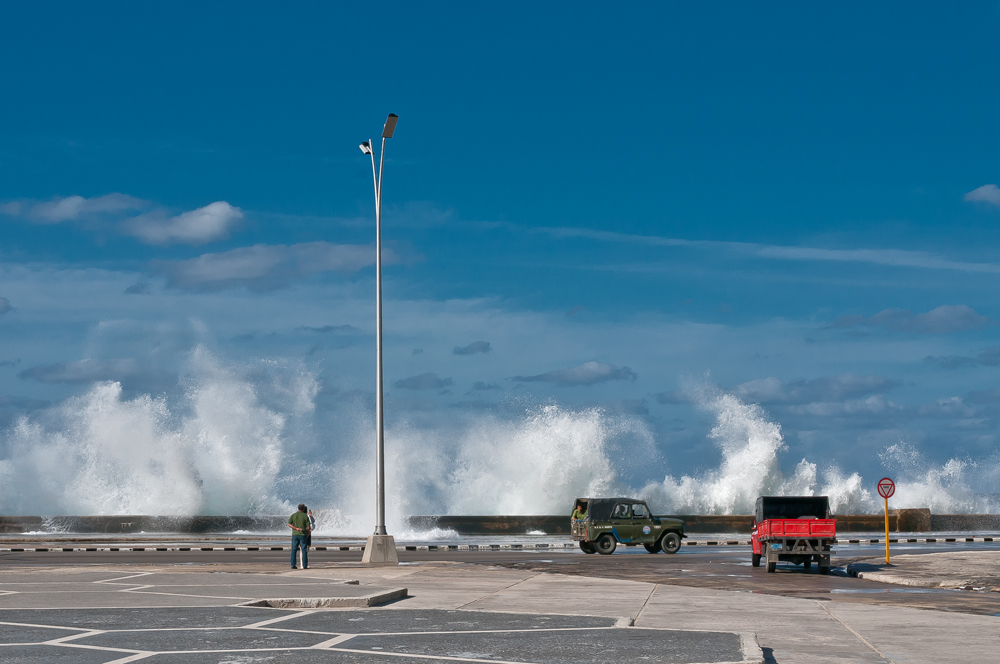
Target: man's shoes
[295, 568]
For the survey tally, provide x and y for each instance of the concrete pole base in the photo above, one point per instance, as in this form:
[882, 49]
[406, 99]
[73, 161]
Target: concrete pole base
[380, 550]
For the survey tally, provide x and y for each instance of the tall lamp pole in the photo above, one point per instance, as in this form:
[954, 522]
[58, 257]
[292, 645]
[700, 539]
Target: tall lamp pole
[381, 547]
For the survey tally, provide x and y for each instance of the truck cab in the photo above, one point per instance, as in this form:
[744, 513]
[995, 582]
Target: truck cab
[608, 522]
[796, 529]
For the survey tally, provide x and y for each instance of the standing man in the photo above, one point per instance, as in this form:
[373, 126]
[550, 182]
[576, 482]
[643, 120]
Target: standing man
[299, 523]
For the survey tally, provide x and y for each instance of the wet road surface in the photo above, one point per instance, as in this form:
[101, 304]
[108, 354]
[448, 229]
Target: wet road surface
[721, 568]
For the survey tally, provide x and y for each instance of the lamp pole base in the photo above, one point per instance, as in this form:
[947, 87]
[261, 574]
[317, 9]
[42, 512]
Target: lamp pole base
[380, 550]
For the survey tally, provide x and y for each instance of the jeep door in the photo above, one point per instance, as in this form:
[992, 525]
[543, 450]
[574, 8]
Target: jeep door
[642, 524]
[621, 522]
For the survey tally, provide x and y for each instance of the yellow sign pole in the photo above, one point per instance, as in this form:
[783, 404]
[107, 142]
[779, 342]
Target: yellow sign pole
[887, 531]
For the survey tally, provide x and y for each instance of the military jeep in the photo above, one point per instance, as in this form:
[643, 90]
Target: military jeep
[609, 522]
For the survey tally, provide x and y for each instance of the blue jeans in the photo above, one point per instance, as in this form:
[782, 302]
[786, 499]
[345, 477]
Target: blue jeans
[300, 541]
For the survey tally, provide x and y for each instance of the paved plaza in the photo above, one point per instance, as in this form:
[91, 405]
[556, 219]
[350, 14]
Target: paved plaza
[450, 612]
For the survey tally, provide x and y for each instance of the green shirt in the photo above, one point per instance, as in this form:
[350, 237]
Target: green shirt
[299, 520]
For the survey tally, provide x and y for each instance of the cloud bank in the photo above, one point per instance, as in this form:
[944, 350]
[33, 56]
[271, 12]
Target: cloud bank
[588, 373]
[473, 348]
[115, 212]
[266, 267]
[73, 208]
[826, 388]
[424, 381]
[942, 320]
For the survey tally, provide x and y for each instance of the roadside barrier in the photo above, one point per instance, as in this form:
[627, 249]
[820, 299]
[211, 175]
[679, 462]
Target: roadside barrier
[471, 547]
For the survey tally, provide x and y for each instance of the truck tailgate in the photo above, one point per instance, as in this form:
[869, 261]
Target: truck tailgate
[807, 528]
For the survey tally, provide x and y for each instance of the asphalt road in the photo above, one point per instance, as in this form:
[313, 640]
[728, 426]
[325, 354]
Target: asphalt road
[723, 568]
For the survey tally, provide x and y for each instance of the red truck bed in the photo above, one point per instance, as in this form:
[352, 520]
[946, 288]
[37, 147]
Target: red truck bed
[805, 528]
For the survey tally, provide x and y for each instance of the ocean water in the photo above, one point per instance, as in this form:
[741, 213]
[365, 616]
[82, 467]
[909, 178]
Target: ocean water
[247, 440]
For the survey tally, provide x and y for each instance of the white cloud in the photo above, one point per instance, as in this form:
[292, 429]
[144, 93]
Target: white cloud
[988, 193]
[74, 208]
[117, 212]
[265, 267]
[212, 222]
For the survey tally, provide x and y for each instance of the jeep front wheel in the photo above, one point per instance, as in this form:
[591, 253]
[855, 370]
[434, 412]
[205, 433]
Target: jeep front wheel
[652, 548]
[670, 543]
[606, 544]
[587, 547]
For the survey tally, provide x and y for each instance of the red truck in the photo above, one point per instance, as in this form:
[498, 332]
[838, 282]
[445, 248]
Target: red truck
[795, 529]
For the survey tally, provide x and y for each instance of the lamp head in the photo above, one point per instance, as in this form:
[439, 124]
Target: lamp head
[366, 147]
[390, 125]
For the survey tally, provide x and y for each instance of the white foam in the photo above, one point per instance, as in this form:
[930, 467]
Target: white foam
[243, 440]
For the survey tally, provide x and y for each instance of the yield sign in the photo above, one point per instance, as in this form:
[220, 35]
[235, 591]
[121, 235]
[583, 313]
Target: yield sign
[886, 487]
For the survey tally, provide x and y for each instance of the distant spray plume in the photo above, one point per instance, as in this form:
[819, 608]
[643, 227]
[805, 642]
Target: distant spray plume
[246, 440]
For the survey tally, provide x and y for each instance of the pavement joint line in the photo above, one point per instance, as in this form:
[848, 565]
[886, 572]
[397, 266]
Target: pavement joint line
[291, 631]
[132, 658]
[524, 631]
[648, 597]
[341, 638]
[855, 633]
[493, 594]
[436, 657]
[272, 621]
[146, 592]
[122, 578]
[17, 624]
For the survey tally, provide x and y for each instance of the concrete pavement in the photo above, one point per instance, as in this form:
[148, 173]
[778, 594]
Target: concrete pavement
[789, 630]
[969, 570]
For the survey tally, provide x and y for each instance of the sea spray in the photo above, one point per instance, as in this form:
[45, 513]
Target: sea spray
[99, 453]
[247, 439]
[749, 444]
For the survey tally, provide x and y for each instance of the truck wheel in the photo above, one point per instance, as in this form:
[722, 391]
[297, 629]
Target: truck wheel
[670, 543]
[652, 548]
[807, 564]
[770, 565]
[587, 547]
[606, 544]
[755, 560]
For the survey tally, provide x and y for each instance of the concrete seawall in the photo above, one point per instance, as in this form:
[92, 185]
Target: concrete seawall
[907, 520]
[141, 523]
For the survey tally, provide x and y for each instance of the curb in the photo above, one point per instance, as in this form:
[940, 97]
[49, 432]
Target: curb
[751, 648]
[470, 547]
[363, 601]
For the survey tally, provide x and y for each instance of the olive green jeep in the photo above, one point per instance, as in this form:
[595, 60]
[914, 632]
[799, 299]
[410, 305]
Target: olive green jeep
[608, 522]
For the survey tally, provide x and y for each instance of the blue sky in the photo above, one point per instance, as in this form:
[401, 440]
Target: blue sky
[585, 205]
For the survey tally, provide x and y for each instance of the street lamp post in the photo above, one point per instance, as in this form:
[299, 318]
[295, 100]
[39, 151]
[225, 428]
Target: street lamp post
[381, 547]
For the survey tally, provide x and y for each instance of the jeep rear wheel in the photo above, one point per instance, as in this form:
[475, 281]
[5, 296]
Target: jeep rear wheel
[670, 543]
[587, 547]
[606, 544]
[652, 548]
